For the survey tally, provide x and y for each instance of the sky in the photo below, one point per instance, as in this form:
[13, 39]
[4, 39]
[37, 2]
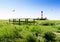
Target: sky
[30, 9]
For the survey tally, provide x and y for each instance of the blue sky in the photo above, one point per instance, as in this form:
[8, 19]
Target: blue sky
[29, 9]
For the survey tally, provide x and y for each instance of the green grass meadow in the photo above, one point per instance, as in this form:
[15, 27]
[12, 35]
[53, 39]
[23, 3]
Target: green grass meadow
[41, 31]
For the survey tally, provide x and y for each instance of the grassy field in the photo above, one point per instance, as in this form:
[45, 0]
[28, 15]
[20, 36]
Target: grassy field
[41, 31]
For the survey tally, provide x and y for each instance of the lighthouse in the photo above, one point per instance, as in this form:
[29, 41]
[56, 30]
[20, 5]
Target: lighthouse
[41, 14]
[42, 18]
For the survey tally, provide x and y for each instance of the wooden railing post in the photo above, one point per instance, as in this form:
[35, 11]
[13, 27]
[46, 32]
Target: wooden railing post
[19, 21]
[34, 21]
[26, 21]
[14, 21]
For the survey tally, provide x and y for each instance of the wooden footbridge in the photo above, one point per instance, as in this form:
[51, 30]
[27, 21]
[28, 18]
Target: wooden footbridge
[23, 21]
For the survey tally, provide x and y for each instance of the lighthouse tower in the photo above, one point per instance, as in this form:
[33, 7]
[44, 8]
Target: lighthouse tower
[41, 14]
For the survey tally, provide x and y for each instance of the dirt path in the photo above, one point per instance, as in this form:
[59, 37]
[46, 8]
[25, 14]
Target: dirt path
[56, 33]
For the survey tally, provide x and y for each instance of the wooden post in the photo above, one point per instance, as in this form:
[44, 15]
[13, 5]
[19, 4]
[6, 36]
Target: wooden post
[34, 21]
[26, 21]
[14, 21]
[19, 21]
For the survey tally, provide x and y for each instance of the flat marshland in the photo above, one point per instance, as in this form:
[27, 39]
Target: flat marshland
[40, 31]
